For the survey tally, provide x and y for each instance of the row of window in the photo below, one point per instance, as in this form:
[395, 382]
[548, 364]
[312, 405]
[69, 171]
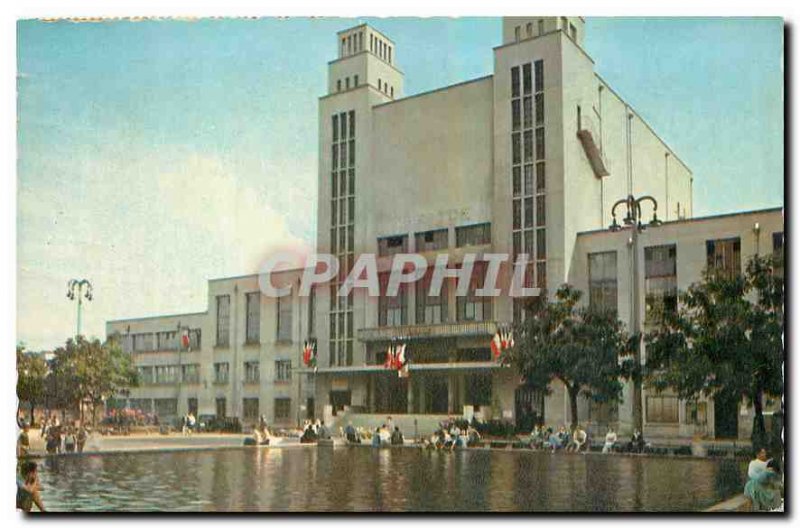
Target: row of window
[723, 256]
[346, 83]
[166, 341]
[190, 373]
[342, 237]
[283, 330]
[434, 309]
[168, 407]
[566, 26]
[470, 235]
[354, 43]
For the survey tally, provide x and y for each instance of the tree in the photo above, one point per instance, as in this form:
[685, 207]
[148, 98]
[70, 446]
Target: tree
[584, 349]
[725, 339]
[91, 371]
[31, 373]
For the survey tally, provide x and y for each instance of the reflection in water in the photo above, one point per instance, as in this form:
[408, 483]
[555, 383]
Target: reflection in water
[366, 479]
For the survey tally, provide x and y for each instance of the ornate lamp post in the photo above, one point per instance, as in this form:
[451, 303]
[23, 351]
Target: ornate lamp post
[633, 221]
[79, 289]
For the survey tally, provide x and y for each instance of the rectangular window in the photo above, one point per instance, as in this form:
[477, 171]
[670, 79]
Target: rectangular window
[392, 245]
[474, 235]
[221, 372]
[283, 370]
[528, 212]
[527, 112]
[515, 148]
[573, 32]
[529, 29]
[282, 408]
[515, 116]
[603, 281]
[392, 311]
[471, 307]
[527, 81]
[352, 114]
[253, 321]
[528, 145]
[145, 375]
[516, 214]
[190, 373]
[660, 282]
[540, 211]
[339, 85]
[430, 309]
[516, 181]
[343, 125]
[252, 372]
[166, 407]
[540, 181]
[777, 253]
[431, 240]
[516, 33]
[515, 81]
[538, 70]
[540, 143]
[355, 80]
[540, 23]
[223, 320]
[539, 98]
[221, 405]
[541, 244]
[724, 256]
[312, 307]
[347, 83]
[352, 158]
[662, 409]
[528, 179]
[250, 408]
[284, 318]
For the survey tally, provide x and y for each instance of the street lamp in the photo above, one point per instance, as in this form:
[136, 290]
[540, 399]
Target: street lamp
[633, 221]
[79, 289]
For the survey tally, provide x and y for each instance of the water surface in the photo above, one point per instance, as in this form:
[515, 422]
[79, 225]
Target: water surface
[304, 479]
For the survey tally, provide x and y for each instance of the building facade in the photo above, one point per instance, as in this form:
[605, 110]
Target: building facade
[528, 160]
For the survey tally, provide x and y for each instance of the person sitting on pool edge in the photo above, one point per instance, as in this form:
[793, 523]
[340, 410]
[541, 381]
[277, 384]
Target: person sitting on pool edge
[579, 439]
[763, 486]
[29, 488]
[397, 436]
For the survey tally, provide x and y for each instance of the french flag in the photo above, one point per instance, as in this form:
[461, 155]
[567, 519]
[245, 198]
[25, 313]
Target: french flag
[496, 345]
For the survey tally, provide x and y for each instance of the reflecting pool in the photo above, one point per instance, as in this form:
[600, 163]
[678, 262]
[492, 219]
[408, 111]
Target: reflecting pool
[305, 478]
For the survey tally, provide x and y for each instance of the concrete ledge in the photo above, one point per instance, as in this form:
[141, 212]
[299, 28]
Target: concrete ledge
[739, 503]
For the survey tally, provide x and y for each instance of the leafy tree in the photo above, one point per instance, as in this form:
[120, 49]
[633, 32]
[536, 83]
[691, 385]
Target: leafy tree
[91, 371]
[585, 349]
[725, 339]
[31, 373]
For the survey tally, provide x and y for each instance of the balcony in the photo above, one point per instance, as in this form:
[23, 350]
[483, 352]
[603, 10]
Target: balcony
[428, 331]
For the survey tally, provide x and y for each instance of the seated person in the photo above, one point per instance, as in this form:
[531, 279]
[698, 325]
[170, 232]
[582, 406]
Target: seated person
[397, 437]
[309, 436]
[376, 438]
[537, 437]
[764, 483]
[579, 440]
[554, 440]
[28, 488]
[322, 431]
[611, 440]
[473, 436]
[636, 445]
[350, 434]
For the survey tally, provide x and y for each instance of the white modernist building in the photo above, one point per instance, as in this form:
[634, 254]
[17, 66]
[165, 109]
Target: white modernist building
[527, 160]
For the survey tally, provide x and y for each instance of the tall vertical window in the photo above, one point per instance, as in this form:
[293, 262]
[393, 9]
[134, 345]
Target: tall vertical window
[252, 372]
[528, 169]
[342, 234]
[430, 309]
[223, 320]
[284, 318]
[392, 310]
[282, 408]
[529, 29]
[221, 405]
[472, 307]
[660, 282]
[603, 281]
[221, 371]
[540, 24]
[474, 235]
[662, 409]
[430, 240]
[724, 256]
[253, 322]
[283, 370]
[250, 408]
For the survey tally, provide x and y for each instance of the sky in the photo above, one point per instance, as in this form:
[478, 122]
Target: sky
[155, 155]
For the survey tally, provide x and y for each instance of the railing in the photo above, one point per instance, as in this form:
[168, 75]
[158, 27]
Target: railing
[427, 331]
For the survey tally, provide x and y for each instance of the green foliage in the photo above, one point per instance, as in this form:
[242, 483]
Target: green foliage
[31, 374]
[726, 337]
[87, 371]
[587, 350]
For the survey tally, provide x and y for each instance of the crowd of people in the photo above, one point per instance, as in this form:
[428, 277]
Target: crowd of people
[314, 431]
[578, 440]
[449, 436]
[63, 438]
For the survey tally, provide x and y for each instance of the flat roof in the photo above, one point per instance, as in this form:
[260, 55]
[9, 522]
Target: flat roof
[364, 24]
[435, 90]
[149, 317]
[696, 219]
